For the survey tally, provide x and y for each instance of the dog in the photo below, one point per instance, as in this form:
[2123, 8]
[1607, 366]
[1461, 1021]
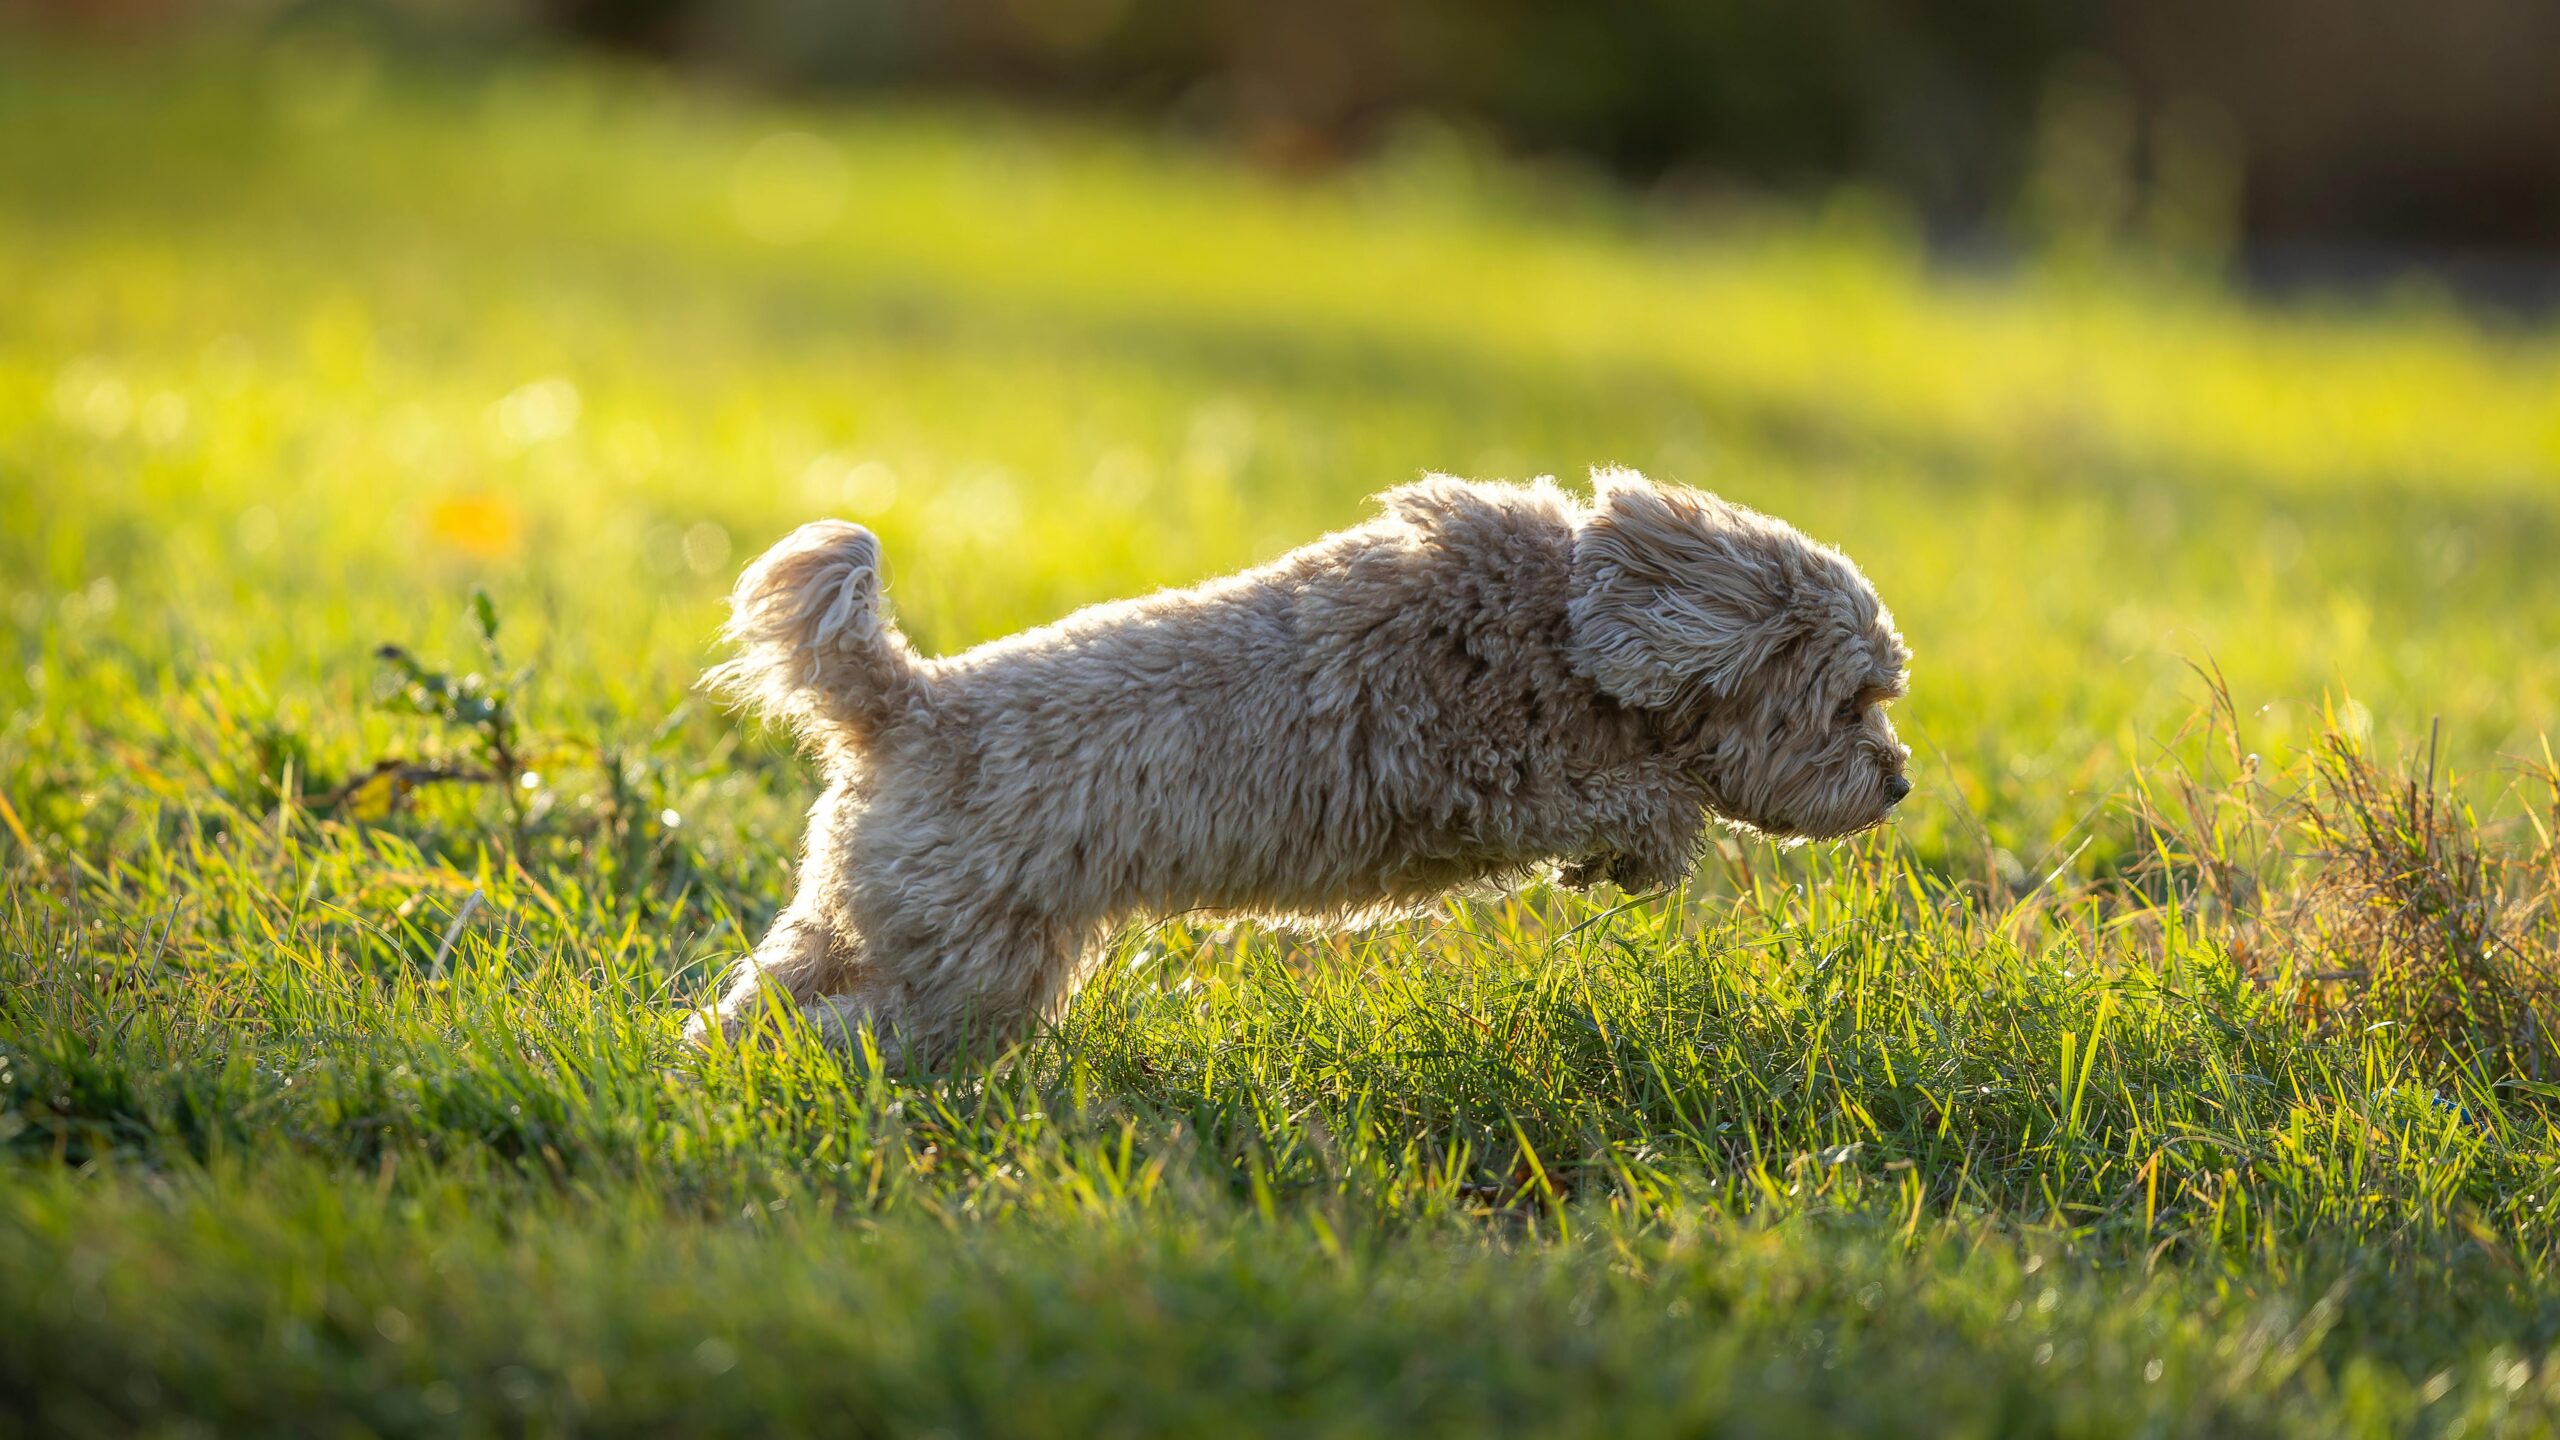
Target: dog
[1484, 684]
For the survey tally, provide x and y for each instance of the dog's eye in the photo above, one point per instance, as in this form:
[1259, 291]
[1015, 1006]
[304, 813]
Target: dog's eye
[1851, 713]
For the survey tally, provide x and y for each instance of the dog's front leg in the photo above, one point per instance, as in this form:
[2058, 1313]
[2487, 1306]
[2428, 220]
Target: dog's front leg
[1634, 874]
[1638, 873]
[1652, 848]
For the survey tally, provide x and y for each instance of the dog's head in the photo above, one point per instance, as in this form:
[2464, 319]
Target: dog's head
[1763, 660]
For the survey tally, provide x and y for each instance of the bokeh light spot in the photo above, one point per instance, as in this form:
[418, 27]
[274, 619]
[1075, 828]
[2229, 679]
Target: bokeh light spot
[706, 548]
[89, 395]
[546, 409]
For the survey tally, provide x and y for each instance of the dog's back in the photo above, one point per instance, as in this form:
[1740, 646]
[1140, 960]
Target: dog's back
[1348, 730]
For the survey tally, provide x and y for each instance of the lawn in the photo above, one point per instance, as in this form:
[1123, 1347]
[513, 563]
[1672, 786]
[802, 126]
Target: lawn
[336, 1105]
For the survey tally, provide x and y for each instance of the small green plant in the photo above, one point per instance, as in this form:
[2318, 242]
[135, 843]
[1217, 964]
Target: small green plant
[623, 808]
[483, 706]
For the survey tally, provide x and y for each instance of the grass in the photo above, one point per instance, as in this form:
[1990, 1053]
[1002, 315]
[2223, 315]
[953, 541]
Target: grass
[2059, 1108]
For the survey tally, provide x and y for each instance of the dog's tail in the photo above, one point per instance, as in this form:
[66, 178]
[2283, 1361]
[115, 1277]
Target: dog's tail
[815, 644]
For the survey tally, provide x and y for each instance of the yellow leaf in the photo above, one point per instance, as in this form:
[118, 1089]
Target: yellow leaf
[487, 526]
[374, 795]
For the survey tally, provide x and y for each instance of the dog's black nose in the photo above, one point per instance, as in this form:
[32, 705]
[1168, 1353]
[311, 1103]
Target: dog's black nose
[1896, 788]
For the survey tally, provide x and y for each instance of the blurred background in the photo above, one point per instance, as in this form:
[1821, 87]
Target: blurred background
[2120, 341]
[2304, 141]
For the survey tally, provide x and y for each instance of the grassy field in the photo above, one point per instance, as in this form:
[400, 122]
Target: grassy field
[2075, 1103]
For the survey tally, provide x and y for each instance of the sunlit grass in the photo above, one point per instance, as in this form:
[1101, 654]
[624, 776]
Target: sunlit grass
[309, 1114]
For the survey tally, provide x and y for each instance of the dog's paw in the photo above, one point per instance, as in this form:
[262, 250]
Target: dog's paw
[709, 1025]
[1642, 875]
[1587, 873]
[1630, 874]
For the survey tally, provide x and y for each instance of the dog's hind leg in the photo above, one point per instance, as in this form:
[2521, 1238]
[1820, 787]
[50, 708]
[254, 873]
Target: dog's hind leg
[800, 959]
[937, 1004]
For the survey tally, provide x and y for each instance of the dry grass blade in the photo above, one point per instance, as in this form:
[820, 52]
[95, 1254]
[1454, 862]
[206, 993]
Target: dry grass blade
[2372, 894]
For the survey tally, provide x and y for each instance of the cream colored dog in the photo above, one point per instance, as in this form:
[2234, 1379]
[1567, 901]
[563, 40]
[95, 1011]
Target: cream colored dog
[1481, 681]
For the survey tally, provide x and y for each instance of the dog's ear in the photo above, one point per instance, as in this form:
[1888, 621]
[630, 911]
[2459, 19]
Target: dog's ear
[1675, 593]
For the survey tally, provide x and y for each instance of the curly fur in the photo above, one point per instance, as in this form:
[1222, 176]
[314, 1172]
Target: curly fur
[1483, 682]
